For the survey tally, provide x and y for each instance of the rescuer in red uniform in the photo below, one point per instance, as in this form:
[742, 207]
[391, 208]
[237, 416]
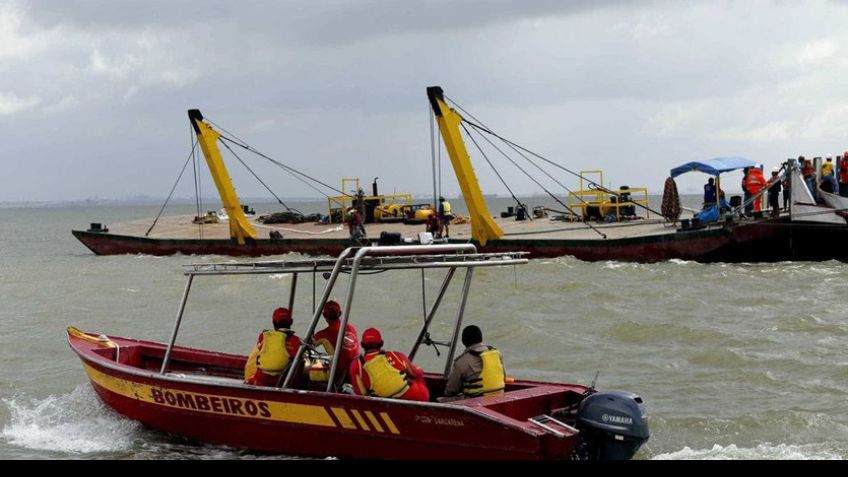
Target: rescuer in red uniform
[388, 374]
[273, 351]
[843, 175]
[327, 338]
[755, 182]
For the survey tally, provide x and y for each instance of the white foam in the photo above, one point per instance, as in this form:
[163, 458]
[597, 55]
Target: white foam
[613, 265]
[74, 423]
[761, 452]
[832, 270]
[680, 261]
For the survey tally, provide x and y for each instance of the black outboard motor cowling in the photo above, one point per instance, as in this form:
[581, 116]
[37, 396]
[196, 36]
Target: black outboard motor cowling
[613, 425]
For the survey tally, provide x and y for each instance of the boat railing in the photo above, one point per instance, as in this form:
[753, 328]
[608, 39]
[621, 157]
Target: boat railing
[450, 256]
[351, 261]
[393, 262]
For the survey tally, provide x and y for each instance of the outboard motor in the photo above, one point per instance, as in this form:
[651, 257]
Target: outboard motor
[613, 426]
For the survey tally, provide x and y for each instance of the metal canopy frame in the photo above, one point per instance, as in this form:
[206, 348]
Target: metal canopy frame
[352, 261]
[375, 263]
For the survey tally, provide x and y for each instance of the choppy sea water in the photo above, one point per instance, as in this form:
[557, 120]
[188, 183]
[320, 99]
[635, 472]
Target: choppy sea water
[744, 361]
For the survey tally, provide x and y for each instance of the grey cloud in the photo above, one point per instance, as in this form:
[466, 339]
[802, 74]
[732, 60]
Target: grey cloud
[337, 89]
[325, 23]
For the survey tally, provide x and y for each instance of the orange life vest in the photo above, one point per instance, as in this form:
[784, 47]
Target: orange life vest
[755, 182]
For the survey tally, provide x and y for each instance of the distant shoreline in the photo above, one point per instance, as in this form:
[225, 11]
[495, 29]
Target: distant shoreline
[209, 201]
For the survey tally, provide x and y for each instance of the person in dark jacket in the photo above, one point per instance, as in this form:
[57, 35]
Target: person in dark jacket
[709, 193]
[478, 371]
[749, 206]
[774, 192]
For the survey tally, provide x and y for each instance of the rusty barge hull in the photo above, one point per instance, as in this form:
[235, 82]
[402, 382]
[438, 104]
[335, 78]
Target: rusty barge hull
[762, 241]
[688, 246]
[112, 244]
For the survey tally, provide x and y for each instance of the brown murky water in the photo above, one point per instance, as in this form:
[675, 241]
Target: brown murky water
[741, 361]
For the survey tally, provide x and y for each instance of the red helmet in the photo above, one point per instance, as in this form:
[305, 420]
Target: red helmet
[332, 310]
[282, 317]
[372, 339]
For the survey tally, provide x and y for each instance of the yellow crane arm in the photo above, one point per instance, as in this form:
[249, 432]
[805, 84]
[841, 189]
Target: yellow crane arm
[483, 228]
[240, 228]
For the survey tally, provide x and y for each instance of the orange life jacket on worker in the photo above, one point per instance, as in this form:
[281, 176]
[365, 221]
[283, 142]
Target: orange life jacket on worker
[755, 182]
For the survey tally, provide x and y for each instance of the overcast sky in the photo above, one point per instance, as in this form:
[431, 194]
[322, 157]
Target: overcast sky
[93, 94]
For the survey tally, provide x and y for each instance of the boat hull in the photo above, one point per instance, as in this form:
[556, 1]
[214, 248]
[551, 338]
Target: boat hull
[318, 424]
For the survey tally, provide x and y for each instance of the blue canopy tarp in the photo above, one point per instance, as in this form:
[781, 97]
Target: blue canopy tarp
[714, 166]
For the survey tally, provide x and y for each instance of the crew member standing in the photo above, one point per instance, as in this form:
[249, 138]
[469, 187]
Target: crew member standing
[709, 193]
[828, 176]
[787, 186]
[808, 171]
[755, 182]
[355, 225]
[749, 207]
[843, 174]
[445, 217]
[774, 192]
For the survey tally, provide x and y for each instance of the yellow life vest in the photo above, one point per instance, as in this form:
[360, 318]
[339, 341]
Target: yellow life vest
[317, 369]
[386, 380]
[250, 364]
[328, 346]
[827, 168]
[274, 356]
[446, 208]
[491, 380]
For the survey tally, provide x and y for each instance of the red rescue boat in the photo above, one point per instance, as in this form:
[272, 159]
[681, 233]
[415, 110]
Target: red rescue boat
[201, 394]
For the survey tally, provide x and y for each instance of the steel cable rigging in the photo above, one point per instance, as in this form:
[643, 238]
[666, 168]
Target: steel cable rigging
[480, 131]
[520, 205]
[193, 157]
[482, 128]
[180, 176]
